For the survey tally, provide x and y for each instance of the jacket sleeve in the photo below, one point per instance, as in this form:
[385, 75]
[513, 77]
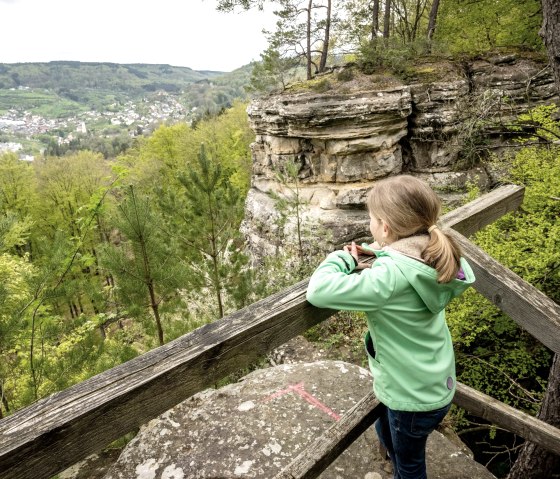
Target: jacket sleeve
[333, 286]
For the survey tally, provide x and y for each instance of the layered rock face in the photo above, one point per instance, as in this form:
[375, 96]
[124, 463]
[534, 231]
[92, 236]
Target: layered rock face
[369, 127]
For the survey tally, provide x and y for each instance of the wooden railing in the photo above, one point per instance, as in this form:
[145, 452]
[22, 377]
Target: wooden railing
[60, 430]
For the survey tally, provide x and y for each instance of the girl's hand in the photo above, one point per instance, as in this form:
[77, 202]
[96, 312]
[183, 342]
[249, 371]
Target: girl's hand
[353, 250]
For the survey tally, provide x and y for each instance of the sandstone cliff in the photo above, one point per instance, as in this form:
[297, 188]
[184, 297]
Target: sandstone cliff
[360, 128]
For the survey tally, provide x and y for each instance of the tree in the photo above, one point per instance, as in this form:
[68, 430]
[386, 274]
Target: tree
[298, 30]
[290, 205]
[407, 18]
[18, 198]
[204, 215]
[550, 33]
[326, 41]
[145, 265]
[481, 25]
[272, 72]
[386, 19]
[73, 191]
[375, 20]
[432, 21]
[15, 290]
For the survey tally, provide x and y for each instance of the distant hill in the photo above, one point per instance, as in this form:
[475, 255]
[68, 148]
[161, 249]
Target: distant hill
[65, 88]
[55, 107]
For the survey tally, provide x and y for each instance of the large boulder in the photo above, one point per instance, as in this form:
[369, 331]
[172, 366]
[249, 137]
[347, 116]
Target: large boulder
[254, 428]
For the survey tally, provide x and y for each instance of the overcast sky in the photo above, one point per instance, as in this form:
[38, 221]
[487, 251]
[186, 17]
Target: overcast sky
[189, 33]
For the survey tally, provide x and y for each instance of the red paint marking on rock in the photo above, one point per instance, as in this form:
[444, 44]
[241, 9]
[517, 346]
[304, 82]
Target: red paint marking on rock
[299, 389]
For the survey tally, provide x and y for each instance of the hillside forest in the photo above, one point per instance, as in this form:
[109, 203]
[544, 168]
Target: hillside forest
[106, 256]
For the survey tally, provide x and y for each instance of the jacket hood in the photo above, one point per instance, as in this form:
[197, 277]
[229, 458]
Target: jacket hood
[407, 255]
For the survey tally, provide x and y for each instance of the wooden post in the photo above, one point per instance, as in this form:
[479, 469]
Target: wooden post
[509, 418]
[315, 458]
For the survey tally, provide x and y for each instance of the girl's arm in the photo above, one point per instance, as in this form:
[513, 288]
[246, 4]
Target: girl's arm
[333, 286]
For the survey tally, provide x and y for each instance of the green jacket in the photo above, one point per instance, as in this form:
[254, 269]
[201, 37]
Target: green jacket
[413, 363]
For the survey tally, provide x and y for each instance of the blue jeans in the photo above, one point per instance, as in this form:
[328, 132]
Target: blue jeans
[404, 435]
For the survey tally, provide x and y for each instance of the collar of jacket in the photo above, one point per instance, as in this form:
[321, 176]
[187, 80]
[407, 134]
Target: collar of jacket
[412, 246]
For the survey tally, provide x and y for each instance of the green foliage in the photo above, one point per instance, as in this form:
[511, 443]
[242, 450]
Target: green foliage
[272, 73]
[393, 55]
[75, 292]
[210, 209]
[39, 101]
[210, 97]
[475, 27]
[542, 120]
[158, 159]
[144, 265]
[494, 356]
[17, 186]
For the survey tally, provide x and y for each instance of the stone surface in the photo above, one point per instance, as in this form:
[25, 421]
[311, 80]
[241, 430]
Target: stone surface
[253, 428]
[372, 127]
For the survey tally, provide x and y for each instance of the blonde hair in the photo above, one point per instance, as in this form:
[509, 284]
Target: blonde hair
[409, 206]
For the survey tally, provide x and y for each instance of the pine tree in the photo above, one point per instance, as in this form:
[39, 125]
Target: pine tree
[205, 215]
[144, 264]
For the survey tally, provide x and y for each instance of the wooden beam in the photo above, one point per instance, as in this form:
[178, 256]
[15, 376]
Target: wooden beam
[526, 305]
[509, 418]
[486, 209]
[60, 430]
[316, 457]
[55, 433]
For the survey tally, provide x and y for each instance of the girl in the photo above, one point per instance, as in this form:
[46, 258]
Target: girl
[417, 272]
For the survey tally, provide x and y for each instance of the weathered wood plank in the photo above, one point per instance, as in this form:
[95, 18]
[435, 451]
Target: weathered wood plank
[505, 416]
[316, 457]
[486, 209]
[526, 305]
[56, 432]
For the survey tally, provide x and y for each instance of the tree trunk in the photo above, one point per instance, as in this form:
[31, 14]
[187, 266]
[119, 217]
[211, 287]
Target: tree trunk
[432, 24]
[550, 33]
[325, 52]
[387, 19]
[533, 461]
[155, 309]
[432, 21]
[308, 53]
[375, 20]
[217, 282]
[4, 400]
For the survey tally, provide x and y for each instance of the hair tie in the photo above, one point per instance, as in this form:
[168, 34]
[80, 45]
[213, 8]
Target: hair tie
[432, 228]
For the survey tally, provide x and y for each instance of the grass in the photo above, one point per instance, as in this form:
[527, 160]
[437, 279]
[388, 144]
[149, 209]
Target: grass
[39, 102]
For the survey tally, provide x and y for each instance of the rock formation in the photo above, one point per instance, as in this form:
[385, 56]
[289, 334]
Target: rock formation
[367, 127]
[254, 428]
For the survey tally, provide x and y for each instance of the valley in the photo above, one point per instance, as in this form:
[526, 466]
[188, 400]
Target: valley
[50, 108]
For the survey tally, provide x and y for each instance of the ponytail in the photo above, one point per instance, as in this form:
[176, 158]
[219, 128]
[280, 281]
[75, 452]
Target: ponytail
[443, 254]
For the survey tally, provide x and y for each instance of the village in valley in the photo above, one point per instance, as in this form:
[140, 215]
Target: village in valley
[23, 132]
